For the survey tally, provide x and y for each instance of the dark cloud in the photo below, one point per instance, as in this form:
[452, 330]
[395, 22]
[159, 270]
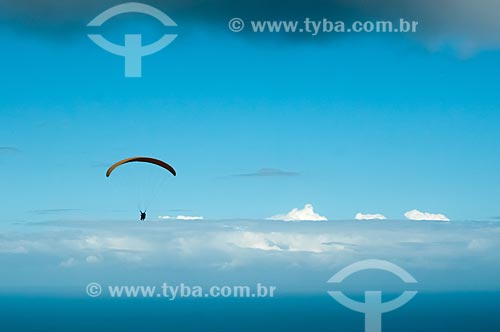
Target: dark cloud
[100, 164]
[65, 17]
[470, 24]
[268, 172]
[335, 243]
[8, 149]
[53, 211]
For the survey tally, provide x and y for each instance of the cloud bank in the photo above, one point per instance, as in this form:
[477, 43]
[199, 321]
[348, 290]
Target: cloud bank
[418, 215]
[306, 214]
[245, 251]
[377, 216]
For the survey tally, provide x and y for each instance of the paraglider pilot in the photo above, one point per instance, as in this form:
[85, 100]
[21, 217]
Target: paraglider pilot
[143, 215]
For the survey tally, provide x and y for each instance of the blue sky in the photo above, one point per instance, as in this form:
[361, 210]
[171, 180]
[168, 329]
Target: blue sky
[369, 123]
[366, 123]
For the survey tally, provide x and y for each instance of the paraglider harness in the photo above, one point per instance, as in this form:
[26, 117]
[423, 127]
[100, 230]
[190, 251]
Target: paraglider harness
[143, 215]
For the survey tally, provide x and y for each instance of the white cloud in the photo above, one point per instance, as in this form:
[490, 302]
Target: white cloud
[13, 250]
[93, 259]
[108, 243]
[181, 217]
[253, 240]
[418, 215]
[306, 214]
[480, 244]
[362, 216]
[281, 241]
[70, 262]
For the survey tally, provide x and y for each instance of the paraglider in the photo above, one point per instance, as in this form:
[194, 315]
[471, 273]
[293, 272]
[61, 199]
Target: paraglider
[148, 160]
[142, 160]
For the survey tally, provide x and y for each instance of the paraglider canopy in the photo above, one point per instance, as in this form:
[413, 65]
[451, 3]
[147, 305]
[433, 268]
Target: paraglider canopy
[142, 160]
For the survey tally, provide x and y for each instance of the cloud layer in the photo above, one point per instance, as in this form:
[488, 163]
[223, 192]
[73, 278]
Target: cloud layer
[305, 214]
[244, 251]
[418, 215]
